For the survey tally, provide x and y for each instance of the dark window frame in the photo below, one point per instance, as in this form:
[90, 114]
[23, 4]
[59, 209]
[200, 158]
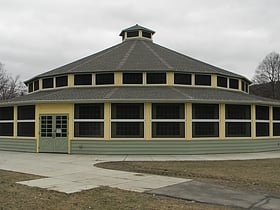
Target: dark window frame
[132, 78]
[61, 81]
[203, 79]
[222, 81]
[36, 85]
[153, 78]
[104, 79]
[182, 78]
[82, 79]
[233, 83]
[48, 83]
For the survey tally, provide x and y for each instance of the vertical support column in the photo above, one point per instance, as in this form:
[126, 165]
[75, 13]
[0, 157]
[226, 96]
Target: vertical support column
[253, 121]
[147, 122]
[193, 79]
[240, 84]
[214, 80]
[107, 123]
[71, 127]
[71, 80]
[37, 126]
[188, 121]
[118, 78]
[40, 84]
[15, 121]
[222, 124]
[270, 121]
[170, 78]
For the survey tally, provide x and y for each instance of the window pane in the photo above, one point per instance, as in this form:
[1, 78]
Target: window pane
[30, 87]
[83, 79]
[168, 130]
[205, 111]
[26, 112]
[89, 129]
[6, 129]
[233, 83]
[127, 111]
[89, 111]
[146, 34]
[36, 85]
[182, 79]
[26, 129]
[156, 78]
[61, 81]
[243, 86]
[132, 34]
[262, 129]
[262, 112]
[168, 111]
[276, 113]
[48, 83]
[276, 129]
[105, 79]
[127, 129]
[205, 129]
[6, 113]
[238, 111]
[222, 82]
[132, 78]
[238, 129]
[203, 79]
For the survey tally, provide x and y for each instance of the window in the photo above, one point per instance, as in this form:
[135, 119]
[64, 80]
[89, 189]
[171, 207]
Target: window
[146, 34]
[89, 120]
[156, 78]
[238, 120]
[233, 83]
[61, 81]
[6, 121]
[105, 79]
[222, 81]
[168, 120]
[47, 83]
[262, 112]
[182, 79]
[243, 85]
[127, 120]
[26, 121]
[36, 85]
[30, 87]
[132, 78]
[276, 121]
[132, 34]
[205, 120]
[201, 79]
[82, 79]
[262, 121]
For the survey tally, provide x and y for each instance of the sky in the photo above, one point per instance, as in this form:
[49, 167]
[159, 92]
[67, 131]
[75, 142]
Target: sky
[39, 35]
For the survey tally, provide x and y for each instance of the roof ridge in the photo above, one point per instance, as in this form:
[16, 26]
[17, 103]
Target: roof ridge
[158, 56]
[178, 91]
[127, 54]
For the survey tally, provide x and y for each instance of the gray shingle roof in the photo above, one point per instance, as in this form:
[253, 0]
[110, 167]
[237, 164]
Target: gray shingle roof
[137, 55]
[141, 93]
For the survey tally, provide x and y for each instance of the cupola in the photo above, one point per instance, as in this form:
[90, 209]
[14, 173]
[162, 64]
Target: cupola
[137, 32]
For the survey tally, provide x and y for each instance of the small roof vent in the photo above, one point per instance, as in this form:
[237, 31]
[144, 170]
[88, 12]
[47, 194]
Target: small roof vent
[136, 31]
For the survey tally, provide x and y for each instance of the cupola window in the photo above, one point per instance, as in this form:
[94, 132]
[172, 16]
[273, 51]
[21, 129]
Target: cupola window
[201, 79]
[36, 85]
[132, 78]
[182, 79]
[105, 79]
[47, 83]
[61, 81]
[83, 79]
[156, 78]
[233, 83]
[222, 82]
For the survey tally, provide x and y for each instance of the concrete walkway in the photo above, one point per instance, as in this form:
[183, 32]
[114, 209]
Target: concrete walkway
[74, 173]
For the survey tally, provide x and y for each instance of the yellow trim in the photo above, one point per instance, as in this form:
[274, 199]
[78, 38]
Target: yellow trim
[240, 84]
[193, 79]
[189, 121]
[147, 123]
[170, 78]
[71, 80]
[15, 121]
[253, 121]
[222, 122]
[118, 78]
[140, 33]
[40, 84]
[270, 121]
[213, 80]
[107, 116]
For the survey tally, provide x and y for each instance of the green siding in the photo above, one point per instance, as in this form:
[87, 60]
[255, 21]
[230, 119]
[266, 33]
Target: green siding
[173, 147]
[20, 145]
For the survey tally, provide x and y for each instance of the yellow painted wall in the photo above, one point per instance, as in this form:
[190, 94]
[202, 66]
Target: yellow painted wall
[214, 80]
[222, 128]
[147, 123]
[170, 78]
[71, 80]
[189, 121]
[107, 123]
[118, 78]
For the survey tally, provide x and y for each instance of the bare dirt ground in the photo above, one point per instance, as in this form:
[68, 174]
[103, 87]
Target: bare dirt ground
[16, 196]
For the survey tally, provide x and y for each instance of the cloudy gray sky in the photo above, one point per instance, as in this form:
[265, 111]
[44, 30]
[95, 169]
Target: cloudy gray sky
[39, 35]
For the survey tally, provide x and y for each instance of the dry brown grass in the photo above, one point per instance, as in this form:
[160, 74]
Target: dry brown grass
[16, 196]
[254, 175]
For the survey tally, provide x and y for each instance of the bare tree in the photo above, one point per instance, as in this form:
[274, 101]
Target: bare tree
[10, 87]
[268, 71]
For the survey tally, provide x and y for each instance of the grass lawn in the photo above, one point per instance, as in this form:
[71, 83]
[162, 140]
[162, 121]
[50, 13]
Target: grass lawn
[252, 175]
[16, 196]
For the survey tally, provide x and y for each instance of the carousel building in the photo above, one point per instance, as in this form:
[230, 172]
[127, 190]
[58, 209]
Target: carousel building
[138, 97]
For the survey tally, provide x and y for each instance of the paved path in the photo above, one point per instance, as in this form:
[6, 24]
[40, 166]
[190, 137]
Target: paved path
[74, 173]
